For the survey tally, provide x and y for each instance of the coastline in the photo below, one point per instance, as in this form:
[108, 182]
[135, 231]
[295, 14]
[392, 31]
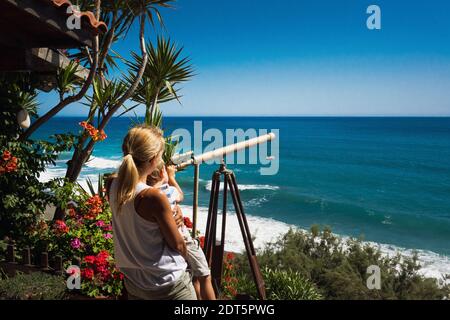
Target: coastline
[434, 265]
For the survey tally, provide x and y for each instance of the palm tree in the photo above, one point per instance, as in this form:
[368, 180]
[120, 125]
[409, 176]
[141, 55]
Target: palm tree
[120, 15]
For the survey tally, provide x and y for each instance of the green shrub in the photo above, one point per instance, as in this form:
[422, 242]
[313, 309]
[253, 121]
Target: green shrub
[338, 267]
[280, 285]
[23, 198]
[34, 286]
[288, 285]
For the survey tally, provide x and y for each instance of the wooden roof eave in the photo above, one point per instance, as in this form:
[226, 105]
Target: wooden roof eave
[39, 25]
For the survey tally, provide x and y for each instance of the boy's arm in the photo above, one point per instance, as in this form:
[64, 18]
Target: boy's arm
[173, 182]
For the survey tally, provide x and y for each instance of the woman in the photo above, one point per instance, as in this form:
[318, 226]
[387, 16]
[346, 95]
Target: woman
[148, 248]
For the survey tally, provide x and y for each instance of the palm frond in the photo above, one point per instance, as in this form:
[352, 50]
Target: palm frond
[165, 70]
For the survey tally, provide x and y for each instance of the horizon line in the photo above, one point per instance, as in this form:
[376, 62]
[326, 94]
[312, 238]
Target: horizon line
[282, 116]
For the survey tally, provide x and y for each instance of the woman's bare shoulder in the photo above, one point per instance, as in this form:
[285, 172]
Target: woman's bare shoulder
[151, 203]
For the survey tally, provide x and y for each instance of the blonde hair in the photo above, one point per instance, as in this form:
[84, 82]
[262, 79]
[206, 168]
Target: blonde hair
[155, 176]
[140, 146]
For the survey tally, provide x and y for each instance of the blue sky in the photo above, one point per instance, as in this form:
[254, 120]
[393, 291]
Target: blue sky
[296, 57]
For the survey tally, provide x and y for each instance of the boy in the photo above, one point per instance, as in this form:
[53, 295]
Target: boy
[160, 178]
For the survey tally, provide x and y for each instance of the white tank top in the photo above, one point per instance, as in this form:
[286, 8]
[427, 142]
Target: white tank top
[140, 251]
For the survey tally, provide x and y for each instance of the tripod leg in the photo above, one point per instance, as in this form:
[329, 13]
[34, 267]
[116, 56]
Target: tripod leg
[217, 260]
[251, 254]
[210, 233]
[241, 209]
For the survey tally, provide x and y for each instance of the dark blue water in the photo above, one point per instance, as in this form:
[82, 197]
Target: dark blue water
[387, 179]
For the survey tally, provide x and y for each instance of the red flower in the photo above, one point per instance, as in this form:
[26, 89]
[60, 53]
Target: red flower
[187, 222]
[95, 207]
[8, 163]
[230, 256]
[6, 155]
[61, 227]
[93, 132]
[72, 213]
[87, 273]
[202, 241]
[102, 258]
[118, 275]
[83, 124]
[89, 259]
[106, 275]
[95, 201]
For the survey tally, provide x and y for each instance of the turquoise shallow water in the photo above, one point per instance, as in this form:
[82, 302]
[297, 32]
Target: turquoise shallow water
[387, 179]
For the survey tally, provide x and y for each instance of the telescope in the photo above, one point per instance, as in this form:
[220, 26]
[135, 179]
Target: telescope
[181, 162]
[187, 159]
[214, 251]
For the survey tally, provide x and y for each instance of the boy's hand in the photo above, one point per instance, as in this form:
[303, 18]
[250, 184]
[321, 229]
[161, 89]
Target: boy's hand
[171, 171]
[178, 216]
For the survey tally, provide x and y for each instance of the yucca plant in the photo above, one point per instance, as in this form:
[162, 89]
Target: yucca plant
[280, 285]
[92, 190]
[105, 96]
[289, 285]
[164, 71]
[67, 80]
[170, 142]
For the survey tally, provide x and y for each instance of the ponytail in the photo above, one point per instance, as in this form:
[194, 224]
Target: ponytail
[128, 177]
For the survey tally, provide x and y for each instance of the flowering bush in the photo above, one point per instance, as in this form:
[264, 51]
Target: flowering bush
[97, 135]
[99, 275]
[229, 280]
[87, 233]
[23, 198]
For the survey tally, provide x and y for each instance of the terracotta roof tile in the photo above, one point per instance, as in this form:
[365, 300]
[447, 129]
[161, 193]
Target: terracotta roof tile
[89, 17]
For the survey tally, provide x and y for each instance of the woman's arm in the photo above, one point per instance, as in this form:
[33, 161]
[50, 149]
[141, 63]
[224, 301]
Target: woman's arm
[153, 206]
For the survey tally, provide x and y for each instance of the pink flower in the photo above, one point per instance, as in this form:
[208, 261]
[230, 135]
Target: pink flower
[100, 223]
[107, 236]
[107, 227]
[75, 243]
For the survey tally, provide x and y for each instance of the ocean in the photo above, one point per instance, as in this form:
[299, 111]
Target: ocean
[386, 180]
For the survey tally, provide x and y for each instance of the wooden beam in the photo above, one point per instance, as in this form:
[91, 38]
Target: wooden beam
[42, 62]
[56, 60]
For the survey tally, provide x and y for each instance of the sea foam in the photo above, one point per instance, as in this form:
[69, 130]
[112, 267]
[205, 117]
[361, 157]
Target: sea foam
[245, 186]
[102, 163]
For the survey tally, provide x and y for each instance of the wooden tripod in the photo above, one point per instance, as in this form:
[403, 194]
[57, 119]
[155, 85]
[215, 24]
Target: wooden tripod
[214, 251]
